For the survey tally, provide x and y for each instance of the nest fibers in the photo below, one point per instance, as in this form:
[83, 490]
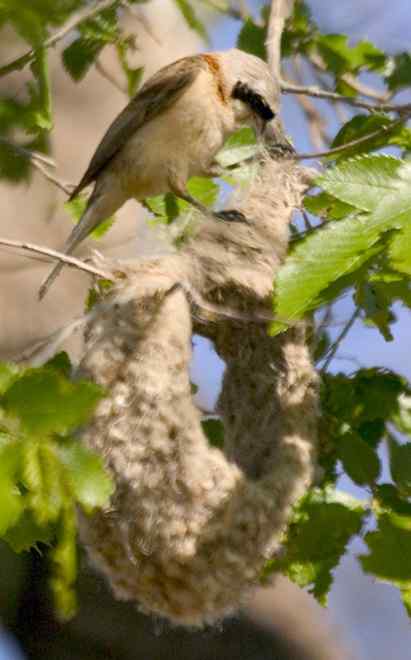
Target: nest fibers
[190, 527]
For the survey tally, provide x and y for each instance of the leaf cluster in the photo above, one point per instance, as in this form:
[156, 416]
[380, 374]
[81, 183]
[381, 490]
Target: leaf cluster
[44, 471]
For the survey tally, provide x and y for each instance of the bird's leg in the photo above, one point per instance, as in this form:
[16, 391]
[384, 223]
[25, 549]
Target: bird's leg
[227, 216]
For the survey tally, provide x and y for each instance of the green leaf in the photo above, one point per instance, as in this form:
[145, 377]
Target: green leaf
[80, 56]
[45, 402]
[168, 207]
[8, 374]
[400, 250]
[376, 305]
[12, 504]
[42, 476]
[90, 484]
[76, 208]
[359, 460]
[64, 565]
[389, 498]
[239, 147]
[400, 75]
[14, 166]
[362, 181]
[380, 185]
[402, 417]
[252, 39]
[214, 430]
[41, 106]
[326, 206]
[400, 465]
[60, 362]
[27, 533]
[362, 125]
[316, 542]
[389, 556]
[341, 58]
[191, 18]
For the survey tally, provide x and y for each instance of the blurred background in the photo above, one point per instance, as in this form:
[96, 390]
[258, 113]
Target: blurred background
[365, 620]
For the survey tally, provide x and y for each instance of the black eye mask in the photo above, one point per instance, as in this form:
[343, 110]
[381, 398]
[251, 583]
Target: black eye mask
[254, 100]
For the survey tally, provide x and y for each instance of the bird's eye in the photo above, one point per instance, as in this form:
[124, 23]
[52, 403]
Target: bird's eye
[255, 101]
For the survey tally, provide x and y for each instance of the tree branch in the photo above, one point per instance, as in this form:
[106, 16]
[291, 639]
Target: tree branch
[279, 12]
[59, 256]
[72, 24]
[310, 90]
[354, 143]
[336, 345]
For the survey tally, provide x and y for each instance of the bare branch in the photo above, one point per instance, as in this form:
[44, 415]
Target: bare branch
[72, 24]
[279, 12]
[39, 162]
[354, 143]
[310, 90]
[336, 345]
[58, 256]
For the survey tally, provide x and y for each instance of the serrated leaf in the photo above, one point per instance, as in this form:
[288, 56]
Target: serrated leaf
[252, 39]
[402, 416]
[362, 181]
[380, 185]
[400, 465]
[80, 55]
[359, 460]
[316, 542]
[14, 166]
[191, 18]
[44, 401]
[239, 147]
[90, 483]
[389, 548]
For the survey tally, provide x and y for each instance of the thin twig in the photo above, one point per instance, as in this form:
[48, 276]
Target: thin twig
[344, 332]
[40, 162]
[311, 90]
[73, 262]
[279, 12]
[353, 143]
[72, 24]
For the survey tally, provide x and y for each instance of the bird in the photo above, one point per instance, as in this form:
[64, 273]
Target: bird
[171, 130]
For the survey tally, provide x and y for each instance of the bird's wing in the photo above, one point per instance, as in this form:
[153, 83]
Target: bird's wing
[159, 93]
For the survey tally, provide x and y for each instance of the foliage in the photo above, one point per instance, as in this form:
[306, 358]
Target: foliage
[44, 471]
[359, 244]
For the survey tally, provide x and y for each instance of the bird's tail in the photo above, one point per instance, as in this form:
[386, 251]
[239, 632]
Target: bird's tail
[89, 220]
